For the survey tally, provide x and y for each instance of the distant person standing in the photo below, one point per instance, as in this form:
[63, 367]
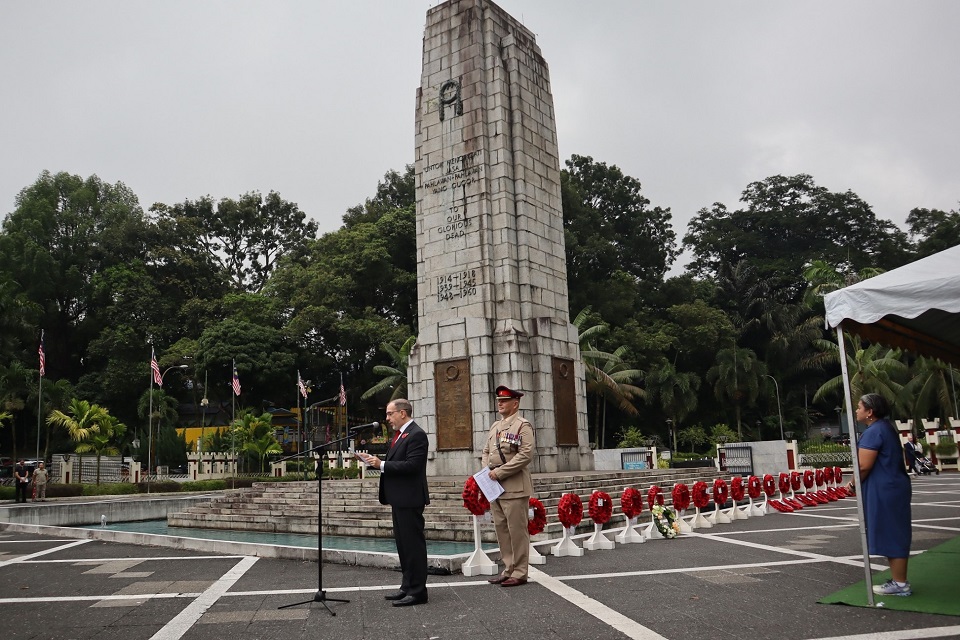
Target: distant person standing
[508, 453]
[40, 483]
[910, 454]
[21, 478]
[403, 486]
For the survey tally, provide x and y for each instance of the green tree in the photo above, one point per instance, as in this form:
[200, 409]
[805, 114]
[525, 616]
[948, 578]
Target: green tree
[245, 237]
[872, 369]
[630, 438]
[14, 390]
[102, 440]
[254, 435]
[64, 232]
[395, 376]
[674, 391]
[933, 230]
[354, 289]
[694, 436]
[823, 277]
[928, 392]
[56, 395]
[784, 224]
[736, 378]
[613, 236]
[609, 377]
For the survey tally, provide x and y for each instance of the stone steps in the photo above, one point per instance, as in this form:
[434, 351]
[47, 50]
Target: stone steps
[351, 507]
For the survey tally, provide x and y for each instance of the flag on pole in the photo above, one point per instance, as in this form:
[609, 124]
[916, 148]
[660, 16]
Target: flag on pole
[155, 368]
[43, 357]
[343, 395]
[236, 382]
[301, 385]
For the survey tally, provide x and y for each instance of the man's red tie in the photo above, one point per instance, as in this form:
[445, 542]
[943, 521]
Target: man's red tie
[396, 436]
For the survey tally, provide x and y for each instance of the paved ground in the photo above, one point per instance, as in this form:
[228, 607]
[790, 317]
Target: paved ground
[756, 578]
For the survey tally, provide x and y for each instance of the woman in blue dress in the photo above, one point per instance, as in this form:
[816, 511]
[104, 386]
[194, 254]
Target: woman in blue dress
[886, 492]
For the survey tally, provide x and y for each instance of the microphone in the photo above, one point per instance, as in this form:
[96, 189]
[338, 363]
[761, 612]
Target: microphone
[361, 427]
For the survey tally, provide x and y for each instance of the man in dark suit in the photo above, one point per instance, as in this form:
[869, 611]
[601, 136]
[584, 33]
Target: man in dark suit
[403, 485]
[21, 478]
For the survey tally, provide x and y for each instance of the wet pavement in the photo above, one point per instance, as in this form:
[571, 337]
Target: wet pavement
[756, 578]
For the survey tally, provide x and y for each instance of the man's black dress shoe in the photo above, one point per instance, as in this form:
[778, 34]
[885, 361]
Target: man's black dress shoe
[408, 601]
[399, 595]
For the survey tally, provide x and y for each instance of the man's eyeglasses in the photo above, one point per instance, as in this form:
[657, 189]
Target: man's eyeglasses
[390, 413]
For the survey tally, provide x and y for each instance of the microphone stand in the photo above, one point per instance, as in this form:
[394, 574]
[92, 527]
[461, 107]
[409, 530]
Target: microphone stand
[321, 595]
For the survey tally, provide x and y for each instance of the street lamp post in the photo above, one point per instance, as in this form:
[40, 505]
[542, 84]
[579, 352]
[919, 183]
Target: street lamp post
[150, 423]
[779, 412]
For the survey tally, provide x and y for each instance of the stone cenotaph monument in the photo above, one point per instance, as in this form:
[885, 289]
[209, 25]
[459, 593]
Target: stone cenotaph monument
[491, 266]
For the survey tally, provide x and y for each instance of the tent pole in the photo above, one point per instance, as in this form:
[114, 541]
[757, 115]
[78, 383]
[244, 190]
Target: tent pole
[867, 572]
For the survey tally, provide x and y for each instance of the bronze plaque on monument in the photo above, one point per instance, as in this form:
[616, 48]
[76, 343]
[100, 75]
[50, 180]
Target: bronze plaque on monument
[565, 402]
[454, 409]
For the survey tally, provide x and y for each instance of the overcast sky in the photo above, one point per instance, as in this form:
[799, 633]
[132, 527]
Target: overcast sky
[315, 99]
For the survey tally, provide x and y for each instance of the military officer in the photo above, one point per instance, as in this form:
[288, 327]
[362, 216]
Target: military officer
[507, 454]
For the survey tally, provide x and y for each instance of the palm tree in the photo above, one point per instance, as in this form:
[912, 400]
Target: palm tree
[608, 376]
[395, 376]
[736, 378]
[675, 392]
[929, 391]
[56, 395]
[254, 434]
[101, 441]
[83, 421]
[873, 369]
[822, 278]
[80, 420]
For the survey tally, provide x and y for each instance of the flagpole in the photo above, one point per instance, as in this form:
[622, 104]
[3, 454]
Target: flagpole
[153, 357]
[233, 416]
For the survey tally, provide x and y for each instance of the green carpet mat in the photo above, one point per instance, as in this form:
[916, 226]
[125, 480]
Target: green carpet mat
[933, 578]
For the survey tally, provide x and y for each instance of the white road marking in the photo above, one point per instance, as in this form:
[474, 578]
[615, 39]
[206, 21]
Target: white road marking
[906, 634]
[145, 596]
[25, 558]
[184, 621]
[140, 559]
[627, 626]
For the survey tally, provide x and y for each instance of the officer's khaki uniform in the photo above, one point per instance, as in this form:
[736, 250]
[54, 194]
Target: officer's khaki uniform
[513, 437]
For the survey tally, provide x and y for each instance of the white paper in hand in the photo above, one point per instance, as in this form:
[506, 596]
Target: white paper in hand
[491, 488]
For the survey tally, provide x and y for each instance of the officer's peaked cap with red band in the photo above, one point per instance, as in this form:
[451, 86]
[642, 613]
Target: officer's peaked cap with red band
[506, 392]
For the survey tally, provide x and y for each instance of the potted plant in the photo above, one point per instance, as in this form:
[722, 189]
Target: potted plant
[946, 450]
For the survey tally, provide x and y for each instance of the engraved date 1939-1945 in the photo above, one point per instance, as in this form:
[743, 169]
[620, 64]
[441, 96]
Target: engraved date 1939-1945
[457, 285]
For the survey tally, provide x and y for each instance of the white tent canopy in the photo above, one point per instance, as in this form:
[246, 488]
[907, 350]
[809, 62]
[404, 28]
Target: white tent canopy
[915, 307]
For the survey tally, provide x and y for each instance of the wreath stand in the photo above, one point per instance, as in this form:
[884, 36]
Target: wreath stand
[566, 546]
[597, 541]
[699, 521]
[478, 564]
[757, 510]
[535, 557]
[684, 526]
[718, 516]
[630, 535]
[739, 513]
[648, 529]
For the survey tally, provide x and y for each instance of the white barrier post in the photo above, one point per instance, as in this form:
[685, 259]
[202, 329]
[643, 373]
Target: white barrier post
[566, 546]
[478, 564]
[535, 556]
[630, 534]
[597, 541]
